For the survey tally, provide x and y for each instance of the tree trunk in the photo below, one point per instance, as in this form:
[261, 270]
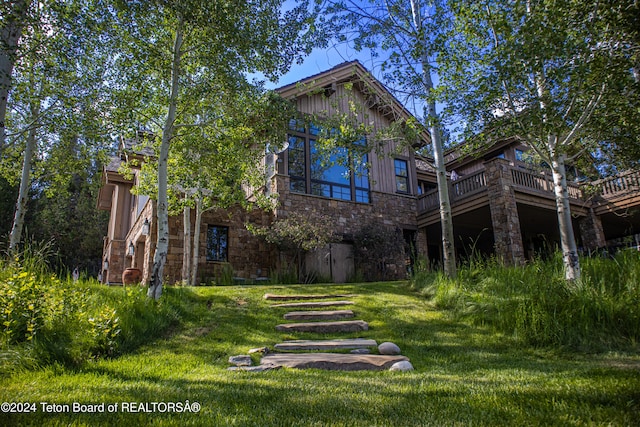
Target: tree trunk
[162, 246]
[186, 254]
[25, 181]
[196, 243]
[431, 115]
[567, 237]
[10, 33]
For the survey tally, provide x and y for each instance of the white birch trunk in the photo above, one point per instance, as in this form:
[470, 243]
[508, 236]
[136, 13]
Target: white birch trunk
[186, 254]
[23, 192]
[10, 33]
[162, 246]
[567, 237]
[446, 218]
[196, 243]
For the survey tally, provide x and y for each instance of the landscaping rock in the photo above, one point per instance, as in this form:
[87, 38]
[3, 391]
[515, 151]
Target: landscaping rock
[360, 351]
[241, 360]
[264, 350]
[332, 361]
[402, 366]
[319, 315]
[325, 327]
[299, 345]
[388, 348]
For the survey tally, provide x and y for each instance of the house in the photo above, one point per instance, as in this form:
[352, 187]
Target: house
[500, 203]
[503, 204]
[380, 196]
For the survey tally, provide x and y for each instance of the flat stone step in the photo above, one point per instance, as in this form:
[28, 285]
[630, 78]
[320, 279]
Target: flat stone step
[313, 304]
[332, 361]
[325, 327]
[301, 345]
[319, 315]
[275, 297]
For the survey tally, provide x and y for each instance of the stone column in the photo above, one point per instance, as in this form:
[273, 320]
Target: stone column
[592, 232]
[504, 212]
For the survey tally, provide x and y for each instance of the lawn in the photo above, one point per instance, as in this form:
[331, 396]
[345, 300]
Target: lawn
[465, 374]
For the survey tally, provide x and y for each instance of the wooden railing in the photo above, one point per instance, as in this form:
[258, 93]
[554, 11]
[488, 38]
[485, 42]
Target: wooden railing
[476, 183]
[458, 190]
[624, 183]
[541, 182]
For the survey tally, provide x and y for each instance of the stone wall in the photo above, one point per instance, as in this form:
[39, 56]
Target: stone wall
[504, 212]
[397, 212]
[249, 257]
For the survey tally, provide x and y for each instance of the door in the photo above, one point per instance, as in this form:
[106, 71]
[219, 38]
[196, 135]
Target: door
[334, 261]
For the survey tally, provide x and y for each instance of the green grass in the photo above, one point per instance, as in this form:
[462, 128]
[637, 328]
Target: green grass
[466, 372]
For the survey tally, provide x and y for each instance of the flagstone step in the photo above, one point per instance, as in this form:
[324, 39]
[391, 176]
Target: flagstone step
[319, 315]
[275, 297]
[313, 304]
[325, 327]
[331, 361]
[337, 344]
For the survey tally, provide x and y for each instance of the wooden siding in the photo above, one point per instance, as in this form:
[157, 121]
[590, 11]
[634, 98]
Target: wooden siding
[382, 172]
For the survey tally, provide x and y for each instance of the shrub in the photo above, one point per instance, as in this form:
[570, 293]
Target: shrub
[46, 320]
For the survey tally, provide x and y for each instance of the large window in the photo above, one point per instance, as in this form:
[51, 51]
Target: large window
[402, 175]
[217, 243]
[313, 172]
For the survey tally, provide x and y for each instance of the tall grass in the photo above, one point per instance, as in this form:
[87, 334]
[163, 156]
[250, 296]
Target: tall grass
[534, 303]
[45, 319]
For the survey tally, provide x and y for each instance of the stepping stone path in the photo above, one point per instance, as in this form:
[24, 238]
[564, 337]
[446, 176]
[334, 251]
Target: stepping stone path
[325, 327]
[347, 344]
[325, 322]
[319, 315]
[302, 297]
[312, 304]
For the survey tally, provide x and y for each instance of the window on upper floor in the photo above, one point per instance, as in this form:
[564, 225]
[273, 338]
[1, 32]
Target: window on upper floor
[402, 175]
[217, 243]
[314, 172]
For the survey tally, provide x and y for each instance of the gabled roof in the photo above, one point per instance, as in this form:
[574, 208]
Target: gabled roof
[376, 94]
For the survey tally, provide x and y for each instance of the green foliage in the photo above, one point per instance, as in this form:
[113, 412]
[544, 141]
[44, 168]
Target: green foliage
[535, 305]
[45, 320]
[465, 374]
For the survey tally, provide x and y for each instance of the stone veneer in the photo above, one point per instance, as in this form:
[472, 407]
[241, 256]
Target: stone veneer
[504, 212]
[386, 210]
[591, 231]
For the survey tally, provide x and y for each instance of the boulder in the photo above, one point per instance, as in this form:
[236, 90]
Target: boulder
[388, 348]
[402, 366]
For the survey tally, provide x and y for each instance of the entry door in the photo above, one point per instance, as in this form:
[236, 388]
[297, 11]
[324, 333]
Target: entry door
[334, 261]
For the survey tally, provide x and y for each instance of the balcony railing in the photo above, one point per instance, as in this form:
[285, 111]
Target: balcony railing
[476, 183]
[458, 190]
[541, 182]
[622, 184]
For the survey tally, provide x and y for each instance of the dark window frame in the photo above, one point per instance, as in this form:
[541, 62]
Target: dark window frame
[400, 177]
[221, 251]
[318, 187]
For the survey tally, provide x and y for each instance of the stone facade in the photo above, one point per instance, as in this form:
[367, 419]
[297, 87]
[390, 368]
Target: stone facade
[394, 211]
[591, 231]
[509, 246]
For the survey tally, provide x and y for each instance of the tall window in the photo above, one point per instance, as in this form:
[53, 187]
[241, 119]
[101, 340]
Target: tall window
[311, 172]
[217, 243]
[402, 175]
